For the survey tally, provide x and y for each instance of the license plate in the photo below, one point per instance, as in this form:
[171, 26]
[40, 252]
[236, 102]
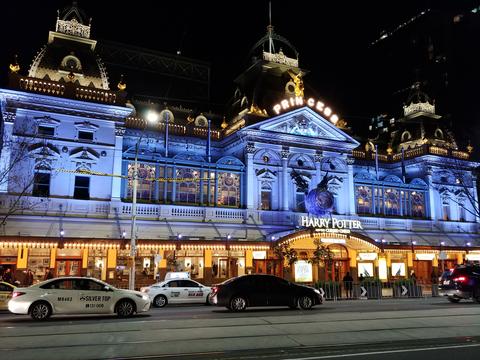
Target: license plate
[446, 282]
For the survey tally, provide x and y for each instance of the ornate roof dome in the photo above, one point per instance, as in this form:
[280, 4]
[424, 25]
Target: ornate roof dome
[70, 53]
[418, 101]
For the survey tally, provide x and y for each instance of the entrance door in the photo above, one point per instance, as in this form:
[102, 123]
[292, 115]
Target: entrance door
[68, 267]
[270, 267]
[423, 270]
[336, 270]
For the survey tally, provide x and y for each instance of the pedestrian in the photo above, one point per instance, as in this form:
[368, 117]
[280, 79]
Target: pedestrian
[29, 277]
[361, 278]
[8, 276]
[348, 283]
[413, 277]
[48, 274]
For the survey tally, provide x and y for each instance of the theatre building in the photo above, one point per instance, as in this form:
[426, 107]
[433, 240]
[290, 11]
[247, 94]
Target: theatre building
[220, 195]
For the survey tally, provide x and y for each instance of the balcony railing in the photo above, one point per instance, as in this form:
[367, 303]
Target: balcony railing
[412, 153]
[62, 207]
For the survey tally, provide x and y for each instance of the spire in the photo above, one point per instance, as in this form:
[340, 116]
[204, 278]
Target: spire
[14, 67]
[271, 49]
[121, 84]
[73, 21]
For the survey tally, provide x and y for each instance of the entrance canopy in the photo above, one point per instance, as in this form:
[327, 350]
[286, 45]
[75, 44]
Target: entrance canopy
[304, 239]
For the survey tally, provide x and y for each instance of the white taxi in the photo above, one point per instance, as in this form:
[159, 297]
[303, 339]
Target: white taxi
[177, 291]
[6, 291]
[76, 295]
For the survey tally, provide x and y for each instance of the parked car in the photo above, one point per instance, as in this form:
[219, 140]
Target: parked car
[263, 290]
[177, 291]
[462, 282]
[6, 291]
[76, 295]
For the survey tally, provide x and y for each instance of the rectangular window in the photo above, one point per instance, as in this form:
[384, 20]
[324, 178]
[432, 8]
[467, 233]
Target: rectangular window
[461, 212]
[266, 198]
[300, 201]
[82, 188]
[46, 131]
[41, 185]
[445, 212]
[85, 135]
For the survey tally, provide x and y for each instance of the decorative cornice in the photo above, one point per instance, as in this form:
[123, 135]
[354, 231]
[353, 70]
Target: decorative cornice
[250, 148]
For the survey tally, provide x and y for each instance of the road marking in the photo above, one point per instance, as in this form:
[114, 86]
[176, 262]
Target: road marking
[385, 352]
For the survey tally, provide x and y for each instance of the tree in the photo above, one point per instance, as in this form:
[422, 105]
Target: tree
[286, 254]
[20, 152]
[322, 255]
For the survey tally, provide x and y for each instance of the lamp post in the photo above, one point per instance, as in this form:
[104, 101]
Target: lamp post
[152, 117]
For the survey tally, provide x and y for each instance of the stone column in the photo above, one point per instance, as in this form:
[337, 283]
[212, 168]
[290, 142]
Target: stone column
[351, 188]
[250, 150]
[318, 167]
[285, 192]
[6, 149]
[117, 164]
[431, 195]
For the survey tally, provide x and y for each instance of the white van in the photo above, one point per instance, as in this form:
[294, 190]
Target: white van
[174, 275]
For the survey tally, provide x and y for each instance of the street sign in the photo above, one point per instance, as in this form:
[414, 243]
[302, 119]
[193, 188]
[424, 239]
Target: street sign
[404, 290]
[442, 255]
[157, 259]
[364, 291]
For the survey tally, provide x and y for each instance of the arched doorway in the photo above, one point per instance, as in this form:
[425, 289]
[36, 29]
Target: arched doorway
[337, 266]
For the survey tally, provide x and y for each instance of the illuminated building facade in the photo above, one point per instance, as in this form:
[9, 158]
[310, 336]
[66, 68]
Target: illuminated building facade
[218, 195]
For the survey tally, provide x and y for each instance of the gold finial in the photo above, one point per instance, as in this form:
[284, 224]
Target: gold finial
[224, 123]
[121, 84]
[469, 148]
[190, 118]
[389, 149]
[14, 67]
[71, 76]
[298, 81]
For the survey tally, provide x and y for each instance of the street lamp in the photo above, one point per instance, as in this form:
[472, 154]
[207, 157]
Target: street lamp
[152, 117]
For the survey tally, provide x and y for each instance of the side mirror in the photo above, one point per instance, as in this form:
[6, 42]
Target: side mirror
[107, 288]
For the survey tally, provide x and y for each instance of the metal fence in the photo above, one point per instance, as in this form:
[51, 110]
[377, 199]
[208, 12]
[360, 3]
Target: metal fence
[375, 290]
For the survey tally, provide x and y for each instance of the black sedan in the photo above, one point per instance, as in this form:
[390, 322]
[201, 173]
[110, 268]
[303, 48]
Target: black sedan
[263, 290]
[462, 282]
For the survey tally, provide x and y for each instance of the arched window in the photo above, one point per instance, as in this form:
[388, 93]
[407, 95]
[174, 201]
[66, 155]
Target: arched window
[406, 136]
[229, 189]
[364, 199]
[338, 251]
[188, 186]
[300, 200]
[145, 185]
[439, 134]
[392, 203]
[417, 203]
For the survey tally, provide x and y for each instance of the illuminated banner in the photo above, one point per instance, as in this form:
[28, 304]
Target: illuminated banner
[299, 101]
[330, 223]
[303, 271]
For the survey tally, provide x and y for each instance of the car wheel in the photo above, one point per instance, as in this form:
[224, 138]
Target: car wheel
[238, 303]
[453, 299]
[305, 302]
[125, 308]
[160, 301]
[40, 311]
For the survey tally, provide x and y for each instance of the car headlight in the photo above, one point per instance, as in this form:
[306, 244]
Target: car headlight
[143, 297]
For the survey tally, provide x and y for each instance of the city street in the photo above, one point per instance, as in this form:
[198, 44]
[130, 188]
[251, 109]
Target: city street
[366, 329]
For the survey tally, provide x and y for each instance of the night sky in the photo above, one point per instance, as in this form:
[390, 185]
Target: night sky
[333, 40]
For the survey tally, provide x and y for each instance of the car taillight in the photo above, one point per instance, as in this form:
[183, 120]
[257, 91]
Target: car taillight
[17, 294]
[214, 290]
[460, 279]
